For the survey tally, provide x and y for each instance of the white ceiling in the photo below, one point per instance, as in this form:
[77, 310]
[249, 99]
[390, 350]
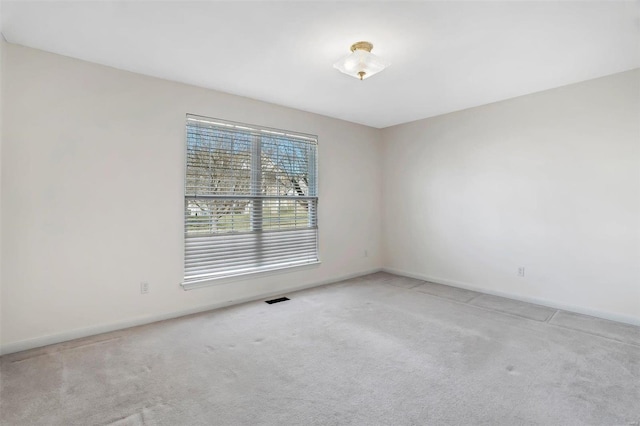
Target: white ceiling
[445, 56]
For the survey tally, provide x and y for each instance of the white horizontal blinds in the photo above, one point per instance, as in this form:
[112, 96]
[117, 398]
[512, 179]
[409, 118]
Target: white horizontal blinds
[237, 253]
[250, 199]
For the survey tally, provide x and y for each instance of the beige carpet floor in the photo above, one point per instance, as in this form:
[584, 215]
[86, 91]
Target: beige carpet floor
[377, 350]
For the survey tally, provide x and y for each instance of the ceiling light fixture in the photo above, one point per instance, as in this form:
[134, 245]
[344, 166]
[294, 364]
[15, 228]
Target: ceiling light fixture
[361, 63]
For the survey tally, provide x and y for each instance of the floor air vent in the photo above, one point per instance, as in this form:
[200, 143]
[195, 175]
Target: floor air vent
[278, 300]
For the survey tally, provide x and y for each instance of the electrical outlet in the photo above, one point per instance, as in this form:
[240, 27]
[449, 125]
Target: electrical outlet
[144, 287]
[366, 253]
[521, 271]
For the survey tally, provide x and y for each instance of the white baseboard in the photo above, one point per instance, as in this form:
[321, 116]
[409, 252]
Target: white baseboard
[612, 316]
[65, 336]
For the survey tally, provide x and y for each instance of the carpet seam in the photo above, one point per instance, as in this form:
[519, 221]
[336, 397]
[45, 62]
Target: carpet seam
[478, 307]
[473, 298]
[552, 316]
[595, 335]
[524, 318]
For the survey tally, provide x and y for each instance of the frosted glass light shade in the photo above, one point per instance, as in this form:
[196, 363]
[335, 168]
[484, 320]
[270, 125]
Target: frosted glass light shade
[361, 61]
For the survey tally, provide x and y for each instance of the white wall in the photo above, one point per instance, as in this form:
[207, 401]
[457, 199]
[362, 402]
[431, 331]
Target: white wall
[549, 181]
[2, 43]
[92, 167]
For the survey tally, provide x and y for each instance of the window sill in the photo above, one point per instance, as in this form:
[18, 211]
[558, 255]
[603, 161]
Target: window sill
[239, 276]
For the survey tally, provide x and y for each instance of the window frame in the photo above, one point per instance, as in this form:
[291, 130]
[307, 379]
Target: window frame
[256, 208]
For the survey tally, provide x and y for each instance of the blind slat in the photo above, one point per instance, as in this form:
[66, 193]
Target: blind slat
[240, 251]
[248, 260]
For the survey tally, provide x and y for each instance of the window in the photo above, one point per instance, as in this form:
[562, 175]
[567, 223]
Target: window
[250, 199]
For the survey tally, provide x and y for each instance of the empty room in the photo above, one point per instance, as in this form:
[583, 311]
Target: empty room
[319, 213]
